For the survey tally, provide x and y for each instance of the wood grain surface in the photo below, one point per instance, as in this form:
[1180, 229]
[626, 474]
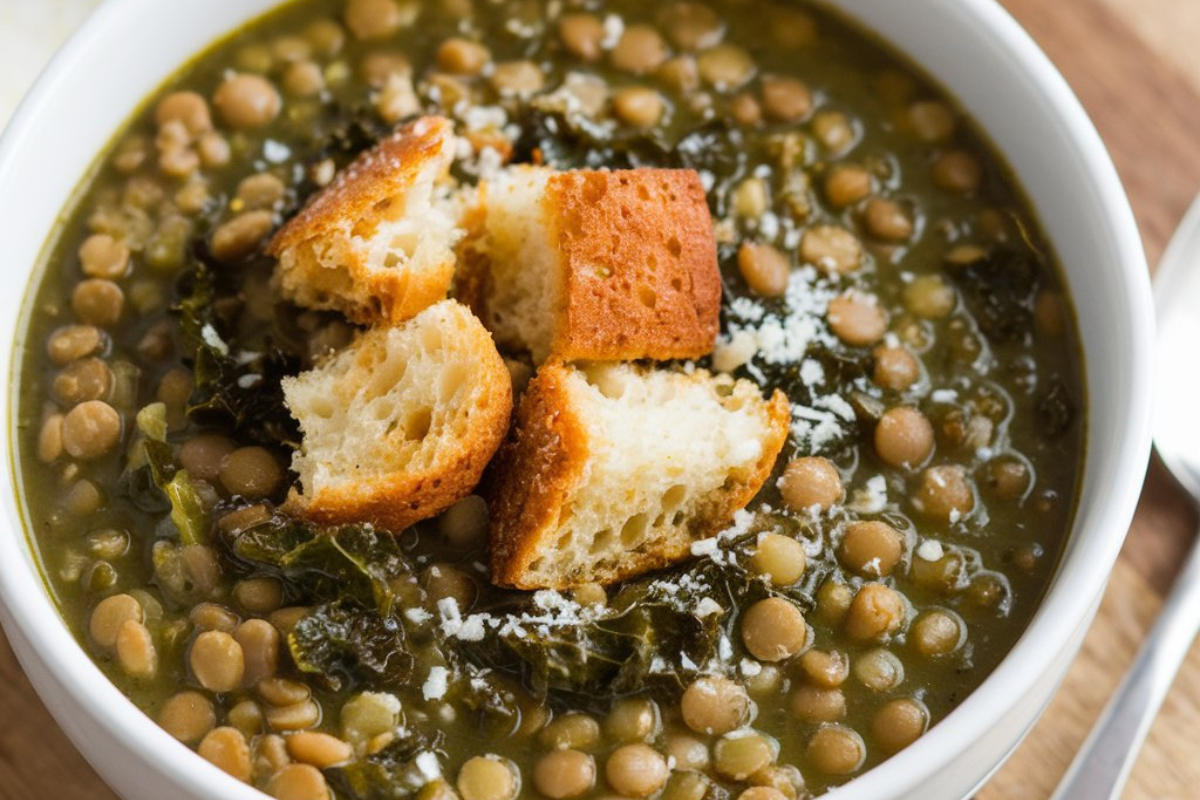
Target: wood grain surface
[1135, 65]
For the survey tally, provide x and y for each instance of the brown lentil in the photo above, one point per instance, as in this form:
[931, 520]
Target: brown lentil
[836, 750]
[239, 237]
[247, 101]
[714, 705]
[636, 770]
[91, 430]
[825, 669]
[780, 558]
[691, 26]
[638, 106]
[774, 629]
[879, 670]
[217, 661]
[135, 650]
[958, 171]
[811, 482]
[187, 716]
[738, 756]
[581, 34]
[251, 472]
[832, 249]
[228, 750]
[725, 67]
[846, 184]
[764, 268]
[857, 318]
[898, 724]
[98, 302]
[876, 612]
[888, 220]
[817, 704]
[944, 493]
[930, 297]
[563, 774]
[102, 256]
[372, 19]
[903, 437]
[785, 99]
[298, 782]
[319, 749]
[487, 778]
[459, 56]
[937, 633]
[871, 548]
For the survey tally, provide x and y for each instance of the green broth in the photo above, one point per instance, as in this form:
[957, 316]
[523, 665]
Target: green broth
[1001, 371]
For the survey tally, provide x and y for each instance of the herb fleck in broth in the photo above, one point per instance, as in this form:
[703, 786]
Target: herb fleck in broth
[850, 176]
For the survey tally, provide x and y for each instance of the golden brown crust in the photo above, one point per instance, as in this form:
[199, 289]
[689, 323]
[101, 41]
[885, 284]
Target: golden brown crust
[640, 261]
[399, 499]
[361, 197]
[537, 471]
[534, 474]
[473, 271]
[372, 179]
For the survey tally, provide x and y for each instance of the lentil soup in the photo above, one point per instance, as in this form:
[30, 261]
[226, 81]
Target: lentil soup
[880, 265]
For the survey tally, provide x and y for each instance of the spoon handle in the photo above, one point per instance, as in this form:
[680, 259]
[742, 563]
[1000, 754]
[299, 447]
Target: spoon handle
[1103, 763]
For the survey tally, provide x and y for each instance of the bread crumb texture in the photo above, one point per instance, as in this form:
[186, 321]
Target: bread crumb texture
[401, 424]
[378, 243]
[613, 470]
[595, 264]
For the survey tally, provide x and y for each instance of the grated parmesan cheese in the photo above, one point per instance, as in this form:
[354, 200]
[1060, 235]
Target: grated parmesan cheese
[436, 683]
[930, 550]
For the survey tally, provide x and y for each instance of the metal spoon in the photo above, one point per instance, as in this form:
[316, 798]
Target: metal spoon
[1104, 761]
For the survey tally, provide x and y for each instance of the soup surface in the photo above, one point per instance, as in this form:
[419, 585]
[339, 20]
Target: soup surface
[879, 265]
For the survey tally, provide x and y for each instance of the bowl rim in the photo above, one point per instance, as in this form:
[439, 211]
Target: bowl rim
[27, 604]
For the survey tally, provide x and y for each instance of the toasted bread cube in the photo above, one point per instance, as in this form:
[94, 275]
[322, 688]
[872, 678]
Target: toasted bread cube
[612, 470]
[376, 244]
[596, 265]
[401, 424]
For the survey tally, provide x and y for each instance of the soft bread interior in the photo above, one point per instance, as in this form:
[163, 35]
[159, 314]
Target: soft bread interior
[525, 282]
[663, 449]
[379, 242]
[397, 400]
[410, 231]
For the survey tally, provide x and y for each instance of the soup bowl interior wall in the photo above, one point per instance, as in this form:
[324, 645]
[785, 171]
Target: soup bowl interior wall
[971, 46]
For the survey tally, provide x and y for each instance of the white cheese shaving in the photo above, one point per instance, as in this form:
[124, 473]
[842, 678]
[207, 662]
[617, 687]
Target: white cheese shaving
[427, 764]
[417, 615]
[614, 26]
[749, 668]
[930, 550]
[213, 339]
[872, 497]
[436, 684]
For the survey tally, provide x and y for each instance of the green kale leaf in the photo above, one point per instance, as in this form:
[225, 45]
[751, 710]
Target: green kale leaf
[155, 484]
[390, 774]
[1000, 290]
[345, 645]
[660, 631]
[323, 565]
[239, 352]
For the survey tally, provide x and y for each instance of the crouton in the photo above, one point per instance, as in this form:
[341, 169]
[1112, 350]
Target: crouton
[613, 470]
[376, 244]
[596, 265]
[400, 424]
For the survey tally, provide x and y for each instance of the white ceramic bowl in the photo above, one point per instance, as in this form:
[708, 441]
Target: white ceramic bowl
[972, 46]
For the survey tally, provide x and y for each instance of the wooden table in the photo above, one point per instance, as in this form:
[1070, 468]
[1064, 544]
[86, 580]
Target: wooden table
[1136, 66]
